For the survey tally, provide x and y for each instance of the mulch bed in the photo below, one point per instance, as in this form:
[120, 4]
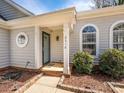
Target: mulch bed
[95, 81]
[8, 85]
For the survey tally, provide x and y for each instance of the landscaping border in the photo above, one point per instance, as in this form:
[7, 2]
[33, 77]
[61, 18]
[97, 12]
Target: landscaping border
[113, 85]
[75, 89]
[118, 84]
[28, 84]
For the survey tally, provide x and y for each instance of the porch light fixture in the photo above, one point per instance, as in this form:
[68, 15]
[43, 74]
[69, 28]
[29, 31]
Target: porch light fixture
[57, 38]
[21, 39]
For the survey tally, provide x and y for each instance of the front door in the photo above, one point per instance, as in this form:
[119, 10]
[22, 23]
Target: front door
[46, 47]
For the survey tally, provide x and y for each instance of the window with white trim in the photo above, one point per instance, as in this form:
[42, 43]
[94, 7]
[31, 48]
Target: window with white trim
[118, 36]
[89, 40]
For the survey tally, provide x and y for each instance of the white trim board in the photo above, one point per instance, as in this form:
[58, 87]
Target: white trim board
[111, 32]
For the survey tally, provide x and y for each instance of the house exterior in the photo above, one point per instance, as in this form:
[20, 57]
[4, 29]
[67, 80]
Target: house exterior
[56, 36]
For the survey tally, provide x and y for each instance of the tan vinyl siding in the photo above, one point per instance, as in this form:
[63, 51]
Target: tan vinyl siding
[103, 24]
[4, 48]
[74, 43]
[19, 56]
[57, 46]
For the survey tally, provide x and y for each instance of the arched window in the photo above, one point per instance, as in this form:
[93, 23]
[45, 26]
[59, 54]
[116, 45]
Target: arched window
[118, 36]
[89, 41]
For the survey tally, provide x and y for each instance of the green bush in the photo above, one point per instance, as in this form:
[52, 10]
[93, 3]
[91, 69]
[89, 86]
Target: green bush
[112, 63]
[83, 62]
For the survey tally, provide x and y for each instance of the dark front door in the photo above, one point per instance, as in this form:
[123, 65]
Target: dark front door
[46, 47]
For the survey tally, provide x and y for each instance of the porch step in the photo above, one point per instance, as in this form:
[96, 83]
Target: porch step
[53, 73]
[53, 69]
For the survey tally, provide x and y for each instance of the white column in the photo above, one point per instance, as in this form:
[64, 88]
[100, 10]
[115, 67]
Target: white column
[66, 48]
[37, 47]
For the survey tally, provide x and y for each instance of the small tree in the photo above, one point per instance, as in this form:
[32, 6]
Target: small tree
[107, 3]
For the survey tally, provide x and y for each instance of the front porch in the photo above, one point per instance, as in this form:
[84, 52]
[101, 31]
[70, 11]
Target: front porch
[54, 68]
[54, 43]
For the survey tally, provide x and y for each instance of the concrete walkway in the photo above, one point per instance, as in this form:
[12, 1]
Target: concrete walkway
[120, 90]
[46, 84]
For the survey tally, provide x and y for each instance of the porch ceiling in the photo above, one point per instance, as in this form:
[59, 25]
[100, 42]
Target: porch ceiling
[54, 28]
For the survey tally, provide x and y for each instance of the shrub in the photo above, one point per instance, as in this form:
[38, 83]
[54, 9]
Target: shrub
[83, 62]
[112, 63]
